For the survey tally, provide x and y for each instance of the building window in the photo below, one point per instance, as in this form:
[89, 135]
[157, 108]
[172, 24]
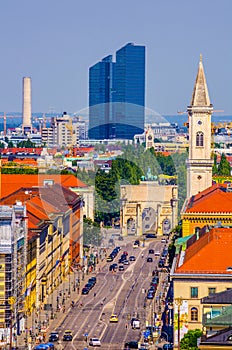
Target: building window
[211, 290]
[194, 292]
[194, 314]
[199, 139]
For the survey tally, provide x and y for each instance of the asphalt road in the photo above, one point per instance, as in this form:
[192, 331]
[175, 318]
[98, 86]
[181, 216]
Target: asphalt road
[122, 293]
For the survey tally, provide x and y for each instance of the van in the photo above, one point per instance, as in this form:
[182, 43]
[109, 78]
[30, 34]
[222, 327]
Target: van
[135, 323]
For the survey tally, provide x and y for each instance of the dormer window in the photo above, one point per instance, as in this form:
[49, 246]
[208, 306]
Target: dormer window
[199, 139]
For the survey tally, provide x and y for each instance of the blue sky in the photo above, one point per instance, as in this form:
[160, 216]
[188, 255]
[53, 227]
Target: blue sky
[56, 41]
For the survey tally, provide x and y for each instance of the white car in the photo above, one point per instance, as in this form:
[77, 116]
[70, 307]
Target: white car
[95, 342]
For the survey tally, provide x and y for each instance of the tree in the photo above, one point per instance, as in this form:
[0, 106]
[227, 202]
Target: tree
[215, 169]
[224, 166]
[189, 342]
[91, 233]
[10, 144]
[26, 144]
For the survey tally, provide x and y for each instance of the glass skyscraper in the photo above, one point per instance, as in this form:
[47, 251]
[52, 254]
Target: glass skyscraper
[117, 94]
[100, 98]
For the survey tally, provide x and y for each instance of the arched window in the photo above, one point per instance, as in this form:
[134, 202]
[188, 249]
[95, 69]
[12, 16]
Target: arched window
[194, 314]
[199, 139]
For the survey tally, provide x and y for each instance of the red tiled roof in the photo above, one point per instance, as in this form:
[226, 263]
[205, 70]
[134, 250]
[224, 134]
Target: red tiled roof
[215, 199]
[12, 182]
[209, 254]
[36, 150]
[40, 208]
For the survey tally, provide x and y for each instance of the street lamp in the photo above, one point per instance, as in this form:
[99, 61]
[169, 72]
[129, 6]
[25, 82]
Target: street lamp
[69, 283]
[166, 335]
[178, 302]
[74, 280]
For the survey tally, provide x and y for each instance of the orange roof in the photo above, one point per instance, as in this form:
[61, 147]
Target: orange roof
[209, 254]
[215, 199]
[40, 208]
[12, 182]
[25, 161]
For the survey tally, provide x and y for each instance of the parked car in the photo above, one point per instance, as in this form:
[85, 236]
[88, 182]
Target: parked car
[149, 259]
[132, 258]
[151, 235]
[150, 295]
[94, 279]
[161, 263]
[85, 291]
[166, 347]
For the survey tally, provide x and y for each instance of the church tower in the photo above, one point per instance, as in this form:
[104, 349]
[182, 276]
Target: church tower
[199, 163]
[150, 138]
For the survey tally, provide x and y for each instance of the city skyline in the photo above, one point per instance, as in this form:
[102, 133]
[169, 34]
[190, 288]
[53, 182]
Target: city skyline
[55, 44]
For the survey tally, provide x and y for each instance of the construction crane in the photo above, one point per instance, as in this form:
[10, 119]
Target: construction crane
[5, 117]
[185, 112]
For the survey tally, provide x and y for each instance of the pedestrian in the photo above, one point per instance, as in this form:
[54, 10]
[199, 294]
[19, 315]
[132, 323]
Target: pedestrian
[126, 325]
[94, 295]
[78, 290]
[64, 308]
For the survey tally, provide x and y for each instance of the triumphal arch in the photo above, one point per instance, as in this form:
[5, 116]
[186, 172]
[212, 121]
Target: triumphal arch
[148, 208]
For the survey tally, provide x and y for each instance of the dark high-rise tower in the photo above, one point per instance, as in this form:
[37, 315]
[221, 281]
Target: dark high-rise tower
[129, 90]
[117, 94]
[100, 98]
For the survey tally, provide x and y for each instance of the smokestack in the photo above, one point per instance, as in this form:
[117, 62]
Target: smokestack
[27, 127]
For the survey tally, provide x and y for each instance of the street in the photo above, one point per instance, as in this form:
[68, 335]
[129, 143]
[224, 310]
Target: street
[121, 293]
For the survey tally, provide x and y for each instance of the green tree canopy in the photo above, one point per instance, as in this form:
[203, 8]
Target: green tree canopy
[224, 166]
[189, 342]
[215, 169]
[91, 233]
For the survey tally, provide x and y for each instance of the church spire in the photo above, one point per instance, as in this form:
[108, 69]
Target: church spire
[200, 96]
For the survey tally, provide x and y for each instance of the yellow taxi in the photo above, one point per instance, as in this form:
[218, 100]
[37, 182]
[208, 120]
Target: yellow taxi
[109, 259]
[113, 318]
